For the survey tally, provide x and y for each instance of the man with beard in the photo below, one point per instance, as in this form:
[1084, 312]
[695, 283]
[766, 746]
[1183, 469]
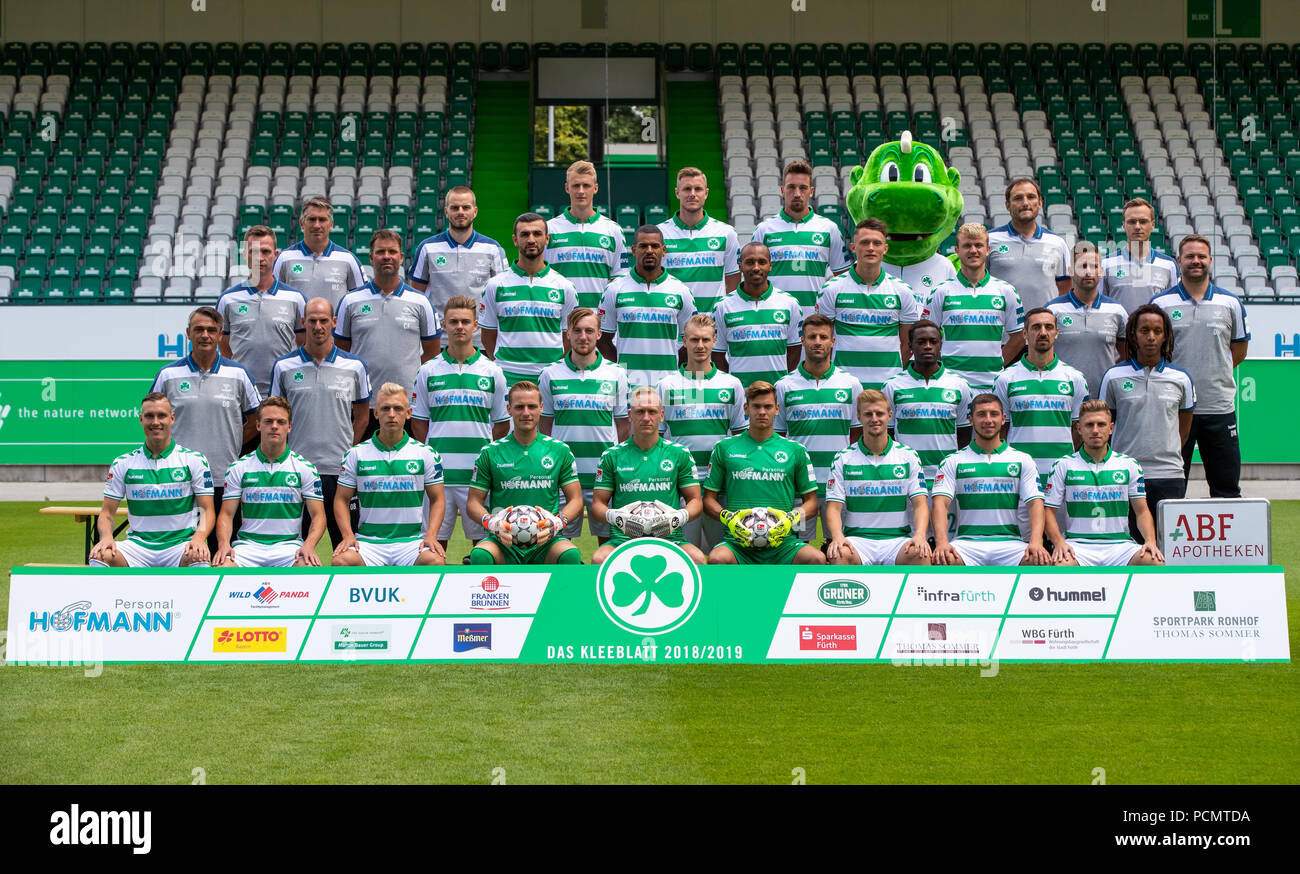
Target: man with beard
[1032, 259]
[758, 326]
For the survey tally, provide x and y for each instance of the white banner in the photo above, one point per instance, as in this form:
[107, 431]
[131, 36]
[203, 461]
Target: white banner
[1274, 330]
[129, 332]
[1216, 532]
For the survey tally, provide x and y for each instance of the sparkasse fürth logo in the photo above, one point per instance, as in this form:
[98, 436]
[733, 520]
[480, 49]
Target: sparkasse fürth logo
[132, 828]
[649, 586]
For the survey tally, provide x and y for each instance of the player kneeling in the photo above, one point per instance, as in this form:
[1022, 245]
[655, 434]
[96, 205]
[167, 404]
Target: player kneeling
[168, 492]
[761, 473]
[274, 484]
[873, 488]
[1097, 486]
[641, 481]
[986, 483]
[521, 476]
[391, 475]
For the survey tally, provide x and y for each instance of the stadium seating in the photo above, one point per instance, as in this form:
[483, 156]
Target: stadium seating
[116, 154]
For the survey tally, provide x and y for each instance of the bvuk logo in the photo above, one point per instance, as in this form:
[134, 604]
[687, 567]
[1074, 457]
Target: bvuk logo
[1004, 248]
[648, 586]
[604, 242]
[297, 376]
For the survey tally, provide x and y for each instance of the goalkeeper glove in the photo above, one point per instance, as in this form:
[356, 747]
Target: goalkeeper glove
[783, 523]
[618, 518]
[734, 523]
[676, 518]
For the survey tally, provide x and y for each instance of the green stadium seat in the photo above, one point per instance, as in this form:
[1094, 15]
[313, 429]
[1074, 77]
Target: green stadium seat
[675, 57]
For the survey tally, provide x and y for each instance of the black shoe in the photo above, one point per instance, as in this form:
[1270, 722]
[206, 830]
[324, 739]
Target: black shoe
[465, 560]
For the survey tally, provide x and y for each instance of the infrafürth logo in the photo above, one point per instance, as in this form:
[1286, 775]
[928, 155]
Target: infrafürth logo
[648, 586]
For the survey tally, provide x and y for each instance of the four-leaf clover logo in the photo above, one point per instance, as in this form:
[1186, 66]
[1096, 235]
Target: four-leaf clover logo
[649, 579]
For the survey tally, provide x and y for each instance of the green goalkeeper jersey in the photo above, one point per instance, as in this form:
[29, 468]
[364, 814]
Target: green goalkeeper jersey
[511, 474]
[774, 473]
[632, 474]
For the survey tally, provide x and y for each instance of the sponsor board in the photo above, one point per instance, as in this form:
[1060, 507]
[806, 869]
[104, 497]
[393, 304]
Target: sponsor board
[265, 595]
[662, 610]
[1234, 531]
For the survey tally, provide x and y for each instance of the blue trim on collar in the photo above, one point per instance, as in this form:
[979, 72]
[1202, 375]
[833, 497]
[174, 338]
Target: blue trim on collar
[446, 237]
[303, 248]
[1136, 366]
[1038, 231]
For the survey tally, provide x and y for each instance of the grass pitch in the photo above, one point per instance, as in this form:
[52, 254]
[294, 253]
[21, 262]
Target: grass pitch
[643, 723]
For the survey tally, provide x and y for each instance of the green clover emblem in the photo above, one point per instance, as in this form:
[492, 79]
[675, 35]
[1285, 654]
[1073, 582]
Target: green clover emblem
[1004, 248]
[648, 580]
[297, 268]
[242, 308]
[184, 386]
[440, 260]
[297, 376]
[1067, 320]
[1176, 315]
[365, 308]
[715, 243]
[1127, 385]
[1120, 274]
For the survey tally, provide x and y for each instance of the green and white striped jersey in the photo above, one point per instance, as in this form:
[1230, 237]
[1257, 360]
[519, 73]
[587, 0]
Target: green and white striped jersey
[700, 412]
[868, 318]
[817, 414]
[272, 491]
[588, 252]
[928, 412]
[976, 321]
[159, 491]
[987, 490]
[876, 490]
[632, 474]
[1041, 406]
[529, 314]
[805, 254]
[702, 256]
[755, 333]
[510, 474]
[461, 401]
[584, 404]
[1096, 494]
[390, 484]
[647, 320]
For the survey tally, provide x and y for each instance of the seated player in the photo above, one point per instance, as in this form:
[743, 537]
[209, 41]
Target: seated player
[1097, 486]
[168, 492]
[524, 468]
[391, 475]
[273, 483]
[986, 483]
[871, 486]
[646, 468]
[760, 468]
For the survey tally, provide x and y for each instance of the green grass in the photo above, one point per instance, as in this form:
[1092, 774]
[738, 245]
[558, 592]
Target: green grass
[680, 724]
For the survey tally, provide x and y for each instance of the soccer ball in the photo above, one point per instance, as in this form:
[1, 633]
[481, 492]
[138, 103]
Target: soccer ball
[523, 524]
[759, 524]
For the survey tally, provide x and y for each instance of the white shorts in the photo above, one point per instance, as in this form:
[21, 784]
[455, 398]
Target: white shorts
[456, 496]
[574, 528]
[250, 554]
[871, 552]
[142, 556]
[808, 527]
[989, 553]
[1116, 554]
[401, 554]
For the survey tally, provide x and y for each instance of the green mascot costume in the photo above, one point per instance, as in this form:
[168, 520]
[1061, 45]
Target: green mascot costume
[906, 185]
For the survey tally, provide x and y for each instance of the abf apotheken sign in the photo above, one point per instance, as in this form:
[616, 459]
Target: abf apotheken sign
[1216, 532]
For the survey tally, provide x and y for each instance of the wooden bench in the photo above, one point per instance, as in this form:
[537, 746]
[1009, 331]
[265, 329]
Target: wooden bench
[87, 516]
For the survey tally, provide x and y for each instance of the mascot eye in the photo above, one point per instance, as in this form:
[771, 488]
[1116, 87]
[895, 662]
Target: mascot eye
[889, 172]
[921, 173]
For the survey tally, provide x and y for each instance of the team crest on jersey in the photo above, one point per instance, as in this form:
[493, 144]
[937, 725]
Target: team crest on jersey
[842, 396]
[440, 260]
[949, 395]
[998, 303]
[818, 239]
[1004, 248]
[891, 302]
[291, 480]
[715, 243]
[780, 315]
[297, 268]
[1127, 385]
[1119, 476]
[484, 383]
[1013, 469]
[548, 462]
[604, 242]
[242, 308]
[1176, 315]
[413, 466]
[672, 300]
[666, 464]
[1067, 321]
[724, 396]
[179, 474]
[607, 388]
[927, 281]
[365, 309]
[184, 386]
[1064, 387]
[555, 295]
[900, 471]
[297, 376]
[781, 456]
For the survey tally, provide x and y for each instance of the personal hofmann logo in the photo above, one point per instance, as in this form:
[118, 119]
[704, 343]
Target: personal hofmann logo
[843, 594]
[648, 586]
[249, 639]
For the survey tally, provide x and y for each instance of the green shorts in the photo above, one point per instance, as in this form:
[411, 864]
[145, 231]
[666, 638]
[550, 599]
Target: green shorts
[783, 554]
[521, 555]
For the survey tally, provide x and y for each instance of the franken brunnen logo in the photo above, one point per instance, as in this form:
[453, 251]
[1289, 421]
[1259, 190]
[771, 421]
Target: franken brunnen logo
[648, 586]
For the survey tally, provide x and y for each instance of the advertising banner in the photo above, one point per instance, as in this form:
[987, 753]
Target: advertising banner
[648, 604]
[1216, 532]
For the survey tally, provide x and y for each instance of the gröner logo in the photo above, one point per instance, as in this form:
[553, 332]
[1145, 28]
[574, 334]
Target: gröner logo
[648, 586]
[843, 594]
